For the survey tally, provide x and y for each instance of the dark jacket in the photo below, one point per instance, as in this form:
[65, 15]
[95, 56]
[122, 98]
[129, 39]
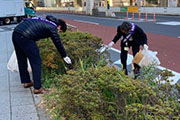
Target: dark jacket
[38, 28]
[138, 36]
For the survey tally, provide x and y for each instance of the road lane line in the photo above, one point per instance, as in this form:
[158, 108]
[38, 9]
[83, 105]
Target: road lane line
[86, 22]
[173, 23]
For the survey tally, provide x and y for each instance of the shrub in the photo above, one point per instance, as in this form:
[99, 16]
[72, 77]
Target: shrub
[105, 93]
[78, 46]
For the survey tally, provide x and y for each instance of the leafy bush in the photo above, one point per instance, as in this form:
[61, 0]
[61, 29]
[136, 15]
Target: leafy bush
[105, 93]
[78, 46]
[92, 91]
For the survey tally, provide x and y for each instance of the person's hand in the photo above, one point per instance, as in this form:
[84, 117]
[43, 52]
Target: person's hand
[67, 60]
[145, 47]
[110, 44]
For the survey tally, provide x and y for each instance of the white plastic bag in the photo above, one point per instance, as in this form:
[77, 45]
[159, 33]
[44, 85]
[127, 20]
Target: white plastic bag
[13, 64]
[149, 57]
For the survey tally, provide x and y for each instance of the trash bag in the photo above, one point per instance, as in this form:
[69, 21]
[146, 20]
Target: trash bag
[150, 57]
[13, 64]
[145, 58]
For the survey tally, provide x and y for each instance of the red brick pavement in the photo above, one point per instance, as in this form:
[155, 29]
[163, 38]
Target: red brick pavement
[168, 47]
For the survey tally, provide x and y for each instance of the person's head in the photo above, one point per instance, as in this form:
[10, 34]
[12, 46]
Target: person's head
[125, 27]
[61, 26]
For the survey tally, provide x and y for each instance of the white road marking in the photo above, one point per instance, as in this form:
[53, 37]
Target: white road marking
[175, 78]
[173, 23]
[136, 20]
[87, 22]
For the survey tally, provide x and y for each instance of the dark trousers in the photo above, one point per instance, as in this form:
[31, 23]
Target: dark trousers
[26, 48]
[124, 53]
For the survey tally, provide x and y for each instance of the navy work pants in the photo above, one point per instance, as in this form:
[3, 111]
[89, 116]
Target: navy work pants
[26, 48]
[123, 55]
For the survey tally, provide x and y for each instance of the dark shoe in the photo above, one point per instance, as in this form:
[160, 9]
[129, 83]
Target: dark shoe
[27, 85]
[136, 73]
[126, 72]
[40, 91]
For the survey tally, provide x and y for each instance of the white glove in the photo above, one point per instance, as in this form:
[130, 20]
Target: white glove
[67, 60]
[110, 44]
[145, 47]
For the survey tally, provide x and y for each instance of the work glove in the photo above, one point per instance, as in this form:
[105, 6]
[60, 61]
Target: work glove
[67, 60]
[110, 44]
[145, 47]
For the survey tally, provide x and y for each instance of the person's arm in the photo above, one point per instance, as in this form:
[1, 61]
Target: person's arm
[143, 38]
[57, 42]
[116, 37]
[143, 35]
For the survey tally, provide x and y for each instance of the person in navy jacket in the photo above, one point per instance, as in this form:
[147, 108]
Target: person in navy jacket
[24, 40]
[133, 36]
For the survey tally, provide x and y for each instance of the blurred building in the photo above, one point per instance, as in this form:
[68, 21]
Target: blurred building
[103, 3]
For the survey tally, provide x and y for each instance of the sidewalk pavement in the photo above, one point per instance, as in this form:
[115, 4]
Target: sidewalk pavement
[16, 102]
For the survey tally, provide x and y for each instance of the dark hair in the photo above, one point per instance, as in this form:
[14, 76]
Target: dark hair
[62, 24]
[125, 26]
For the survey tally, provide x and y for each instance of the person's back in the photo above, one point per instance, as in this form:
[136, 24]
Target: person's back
[37, 28]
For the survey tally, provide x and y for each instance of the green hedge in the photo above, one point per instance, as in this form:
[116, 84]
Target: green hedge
[105, 93]
[91, 90]
[78, 45]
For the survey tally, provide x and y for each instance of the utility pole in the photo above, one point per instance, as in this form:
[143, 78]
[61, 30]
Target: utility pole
[89, 6]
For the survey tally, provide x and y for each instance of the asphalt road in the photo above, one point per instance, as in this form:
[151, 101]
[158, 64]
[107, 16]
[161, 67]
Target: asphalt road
[149, 26]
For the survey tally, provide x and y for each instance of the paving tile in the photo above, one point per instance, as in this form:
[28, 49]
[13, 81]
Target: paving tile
[31, 116]
[23, 110]
[22, 101]
[5, 117]
[4, 103]
[14, 76]
[14, 79]
[4, 77]
[20, 94]
[4, 83]
[4, 88]
[4, 98]
[4, 109]
[3, 58]
[15, 83]
[3, 47]
[18, 88]
[3, 69]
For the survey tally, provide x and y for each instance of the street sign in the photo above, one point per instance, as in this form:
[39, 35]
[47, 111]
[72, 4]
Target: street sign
[123, 9]
[132, 9]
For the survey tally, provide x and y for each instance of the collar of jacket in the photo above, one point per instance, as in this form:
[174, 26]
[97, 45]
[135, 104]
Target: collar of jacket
[133, 28]
[42, 19]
